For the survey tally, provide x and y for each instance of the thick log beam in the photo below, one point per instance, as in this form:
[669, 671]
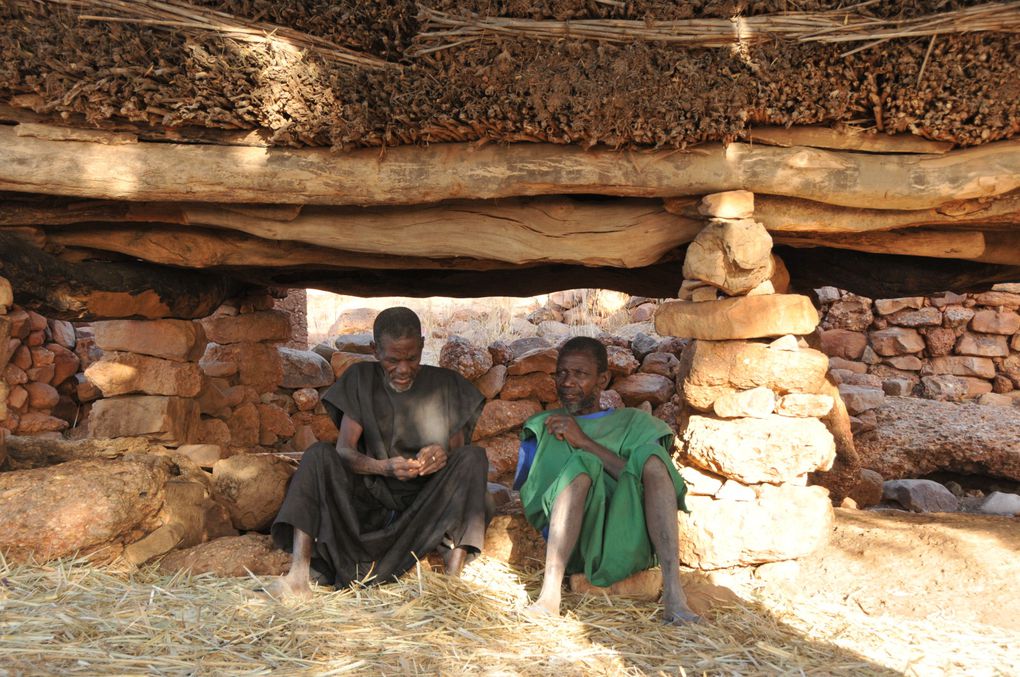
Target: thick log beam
[522, 231]
[790, 215]
[95, 291]
[845, 139]
[413, 175]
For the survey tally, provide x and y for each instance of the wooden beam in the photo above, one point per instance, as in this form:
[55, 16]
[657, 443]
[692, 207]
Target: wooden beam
[524, 231]
[415, 175]
[940, 244]
[95, 291]
[847, 138]
[791, 215]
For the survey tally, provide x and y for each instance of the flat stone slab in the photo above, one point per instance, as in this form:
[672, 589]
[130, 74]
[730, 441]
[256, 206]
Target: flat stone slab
[741, 317]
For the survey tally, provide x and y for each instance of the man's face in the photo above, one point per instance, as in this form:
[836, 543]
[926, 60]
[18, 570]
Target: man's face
[400, 359]
[579, 383]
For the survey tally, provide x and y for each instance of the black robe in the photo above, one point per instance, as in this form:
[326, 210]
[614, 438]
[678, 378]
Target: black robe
[373, 526]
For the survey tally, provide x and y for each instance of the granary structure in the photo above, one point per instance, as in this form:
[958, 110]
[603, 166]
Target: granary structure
[158, 159]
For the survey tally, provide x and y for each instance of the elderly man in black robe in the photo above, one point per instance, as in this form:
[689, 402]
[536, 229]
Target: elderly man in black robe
[402, 480]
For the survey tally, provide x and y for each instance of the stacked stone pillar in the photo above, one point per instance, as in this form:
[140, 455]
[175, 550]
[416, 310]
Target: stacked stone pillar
[755, 395]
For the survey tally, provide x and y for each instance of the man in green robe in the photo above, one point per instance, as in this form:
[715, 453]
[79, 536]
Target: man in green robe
[603, 485]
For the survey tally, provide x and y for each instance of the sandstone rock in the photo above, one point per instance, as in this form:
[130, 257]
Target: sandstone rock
[827, 295]
[41, 357]
[306, 398]
[16, 398]
[500, 353]
[947, 299]
[36, 322]
[125, 373]
[734, 256]
[643, 313]
[621, 361]
[499, 416]
[1011, 369]
[995, 400]
[304, 369]
[610, 399]
[896, 341]
[991, 322]
[83, 507]
[35, 422]
[705, 293]
[783, 523]
[353, 321]
[324, 429]
[203, 455]
[700, 482]
[645, 585]
[663, 364]
[534, 386]
[539, 359]
[252, 486]
[943, 388]
[870, 356]
[939, 341]
[274, 423]
[62, 333]
[42, 396]
[6, 295]
[554, 331]
[994, 299]
[642, 387]
[669, 413]
[774, 449]
[522, 346]
[14, 375]
[511, 539]
[268, 325]
[65, 363]
[360, 342]
[984, 345]
[710, 369]
[859, 399]
[492, 381]
[244, 425]
[341, 362]
[868, 490]
[1014, 343]
[804, 405]
[898, 387]
[917, 437]
[957, 316]
[230, 557]
[468, 360]
[975, 386]
[1000, 503]
[755, 403]
[924, 317]
[567, 299]
[920, 495]
[737, 318]
[735, 491]
[981, 367]
[42, 374]
[324, 350]
[890, 306]
[905, 362]
[171, 420]
[501, 450]
[731, 204]
[180, 340]
[851, 312]
[843, 343]
[848, 365]
[1001, 384]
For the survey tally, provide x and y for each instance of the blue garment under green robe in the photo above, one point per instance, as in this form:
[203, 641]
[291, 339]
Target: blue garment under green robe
[614, 539]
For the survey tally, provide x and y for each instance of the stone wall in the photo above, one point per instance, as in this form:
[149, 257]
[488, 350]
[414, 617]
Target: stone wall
[295, 304]
[947, 347]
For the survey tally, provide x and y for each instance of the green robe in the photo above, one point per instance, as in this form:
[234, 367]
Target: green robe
[614, 540]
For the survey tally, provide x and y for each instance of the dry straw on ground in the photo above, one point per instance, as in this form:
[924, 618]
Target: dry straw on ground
[71, 618]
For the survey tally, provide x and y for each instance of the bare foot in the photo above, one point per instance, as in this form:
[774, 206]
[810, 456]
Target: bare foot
[285, 587]
[542, 608]
[680, 615]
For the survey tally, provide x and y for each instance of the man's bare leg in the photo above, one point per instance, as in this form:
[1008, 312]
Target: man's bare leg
[564, 528]
[660, 518]
[297, 582]
[455, 562]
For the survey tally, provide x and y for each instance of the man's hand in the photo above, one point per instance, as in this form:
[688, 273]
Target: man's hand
[565, 428]
[432, 459]
[403, 468]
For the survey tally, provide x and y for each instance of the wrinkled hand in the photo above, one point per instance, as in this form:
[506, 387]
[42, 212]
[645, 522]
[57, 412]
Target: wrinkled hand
[403, 468]
[565, 428]
[432, 459]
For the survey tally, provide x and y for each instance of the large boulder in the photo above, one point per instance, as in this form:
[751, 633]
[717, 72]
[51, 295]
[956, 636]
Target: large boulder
[230, 557]
[784, 522]
[920, 495]
[256, 364]
[83, 507]
[180, 340]
[266, 325]
[916, 437]
[534, 386]
[252, 486]
[500, 416]
[491, 382]
[171, 420]
[125, 373]
[742, 317]
[465, 358]
[733, 255]
[643, 387]
[710, 369]
[304, 369]
[773, 449]
[537, 359]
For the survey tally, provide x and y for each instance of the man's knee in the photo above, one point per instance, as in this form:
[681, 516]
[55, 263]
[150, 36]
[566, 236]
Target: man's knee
[582, 482]
[472, 458]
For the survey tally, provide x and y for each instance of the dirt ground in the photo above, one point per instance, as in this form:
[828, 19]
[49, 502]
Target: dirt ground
[914, 566]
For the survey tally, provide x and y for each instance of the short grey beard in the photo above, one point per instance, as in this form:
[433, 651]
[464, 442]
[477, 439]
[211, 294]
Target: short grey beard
[389, 384]
[577, 408]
